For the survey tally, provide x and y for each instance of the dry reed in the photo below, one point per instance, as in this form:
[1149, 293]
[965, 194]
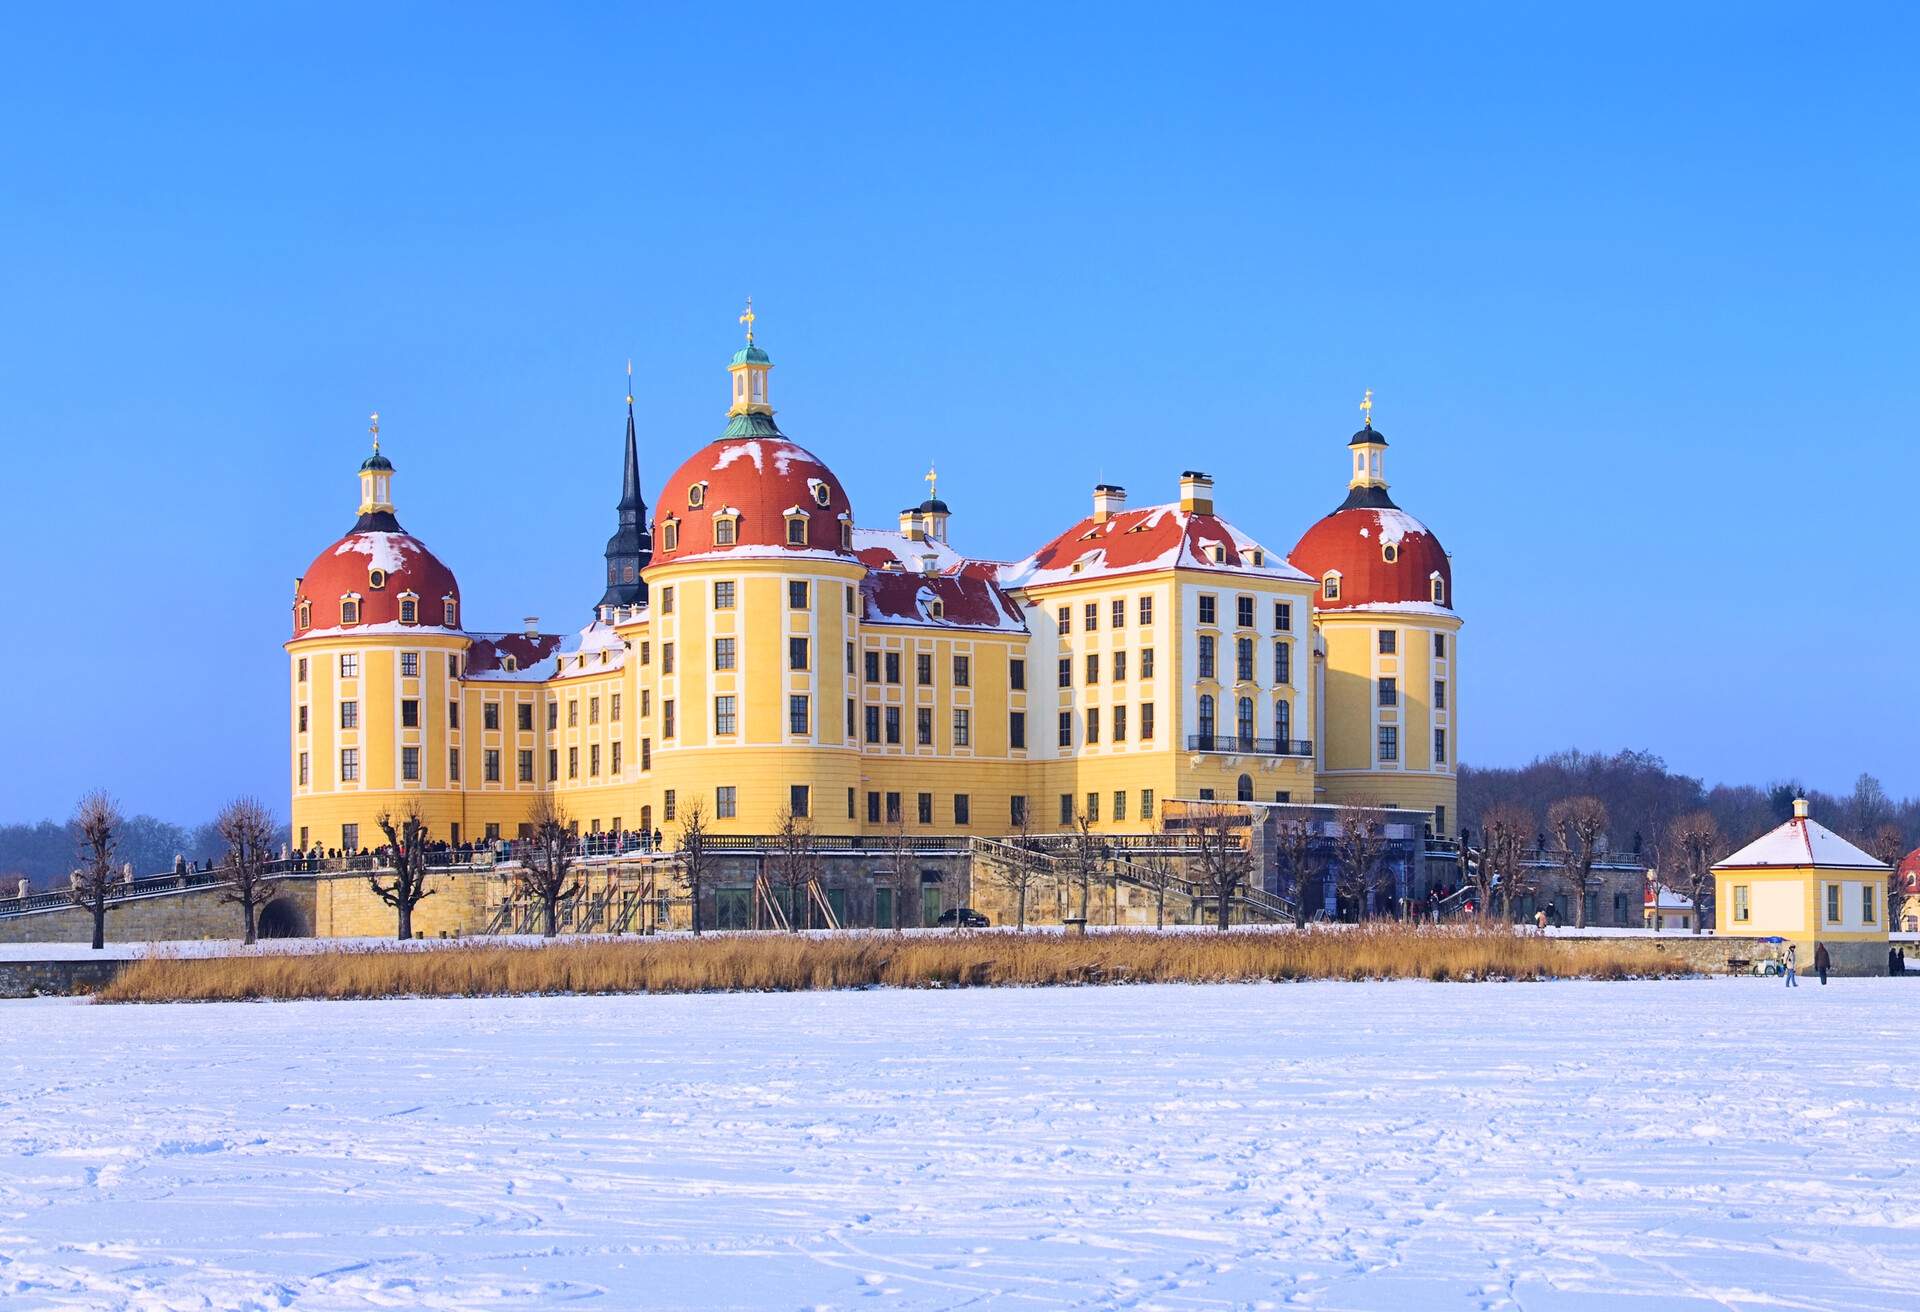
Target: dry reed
[790, 962]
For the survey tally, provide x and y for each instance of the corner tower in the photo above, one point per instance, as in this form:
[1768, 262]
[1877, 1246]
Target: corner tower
[631, 547]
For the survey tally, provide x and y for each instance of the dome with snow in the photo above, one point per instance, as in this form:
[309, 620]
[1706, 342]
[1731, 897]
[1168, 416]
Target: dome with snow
[751, 493]
[1383, 556]
[375, 575]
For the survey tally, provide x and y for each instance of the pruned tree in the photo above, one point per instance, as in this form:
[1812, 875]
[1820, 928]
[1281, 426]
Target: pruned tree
[247, 829]
[546, 874]
[696, 856]
[898, 842]
[1084, 852]
[1222, 855]
[1019, 872]
[1692, 844]
[1361, 843]
[796, 865]
[1159, 871]
[1579, 826]
[96, 823]
[407, 851]
[1293, 843]
[1502, 870]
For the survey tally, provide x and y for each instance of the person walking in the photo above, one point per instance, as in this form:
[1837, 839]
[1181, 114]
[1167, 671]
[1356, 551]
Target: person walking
[1793, 979]
[1893, 961]
[1821, 961]
[1540, 921]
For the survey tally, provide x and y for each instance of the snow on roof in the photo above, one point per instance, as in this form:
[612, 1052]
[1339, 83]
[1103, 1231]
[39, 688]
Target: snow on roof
[543, 656]
[384, 551]
[969, 598]
[877, 547]
[1800, 842]
[1147, 538]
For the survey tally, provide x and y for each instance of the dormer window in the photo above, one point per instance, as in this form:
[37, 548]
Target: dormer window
[306, 614]
[1389, 552]
[846, 535]
[796, 528]
[670, 535]
[1330, 587]
[450, 610]
[697, 495]
[1216, 553]
[509, 663]
[409, 608]
[1258, 559]
[726, 529]
[936, 608]
[350, 608]
[822, 493]
[1438, 587]
[376, 579]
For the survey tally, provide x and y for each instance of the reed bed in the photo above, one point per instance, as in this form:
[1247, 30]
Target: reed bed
[792, 962]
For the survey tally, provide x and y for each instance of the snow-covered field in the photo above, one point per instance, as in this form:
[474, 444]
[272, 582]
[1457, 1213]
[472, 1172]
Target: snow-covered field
[1698, 1143]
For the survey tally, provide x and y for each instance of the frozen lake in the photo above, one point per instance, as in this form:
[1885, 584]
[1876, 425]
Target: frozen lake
[1699, 1143]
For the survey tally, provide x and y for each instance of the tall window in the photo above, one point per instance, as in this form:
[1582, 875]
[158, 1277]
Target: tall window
[490, 716]
[410, 713]
[1243, 722]
[797, 656]
[1119, 612]
[349, 715]
[573, 712]
[723, 715]
[1282, 661]
[573, 763]
[1389, 691]
[797, 718]
[799, 800]
[349, 665]
[666, 658]
[593, 761]
[723, 531]
[923, 808]
[962, 809]
[1208, 606]
[1206, 719]
[1093, 724]
[1389, 743]
[1866, 904]
[893, 667]
[1439, 694]
[409, 664]
[1119, 666]
[893, 726]
[666, 719]
[1283, 617]
[1146, 719]
[1283, 722]
[1146, 662]
[962, 671]
[593, 710]
[1091, 617]
[1439, 646]
[1330, 588]
[923, 668]
[1017, 675]
[873, 724]
[1119, 727]
[1146, 610]
[796, 594]
[1742, 906]
[1066, 671]
[1063, 619]
[725, 802]
[490, 762]
[1389, 641]
[1243, 659]
[1066, 728]
[1206, 655]
[923, 726]
[526, 765]
[1439, 746]
[723, 594]
[962, 727]
[1243, 612]
[1017, 730]
[304, 774]
[1093, 667]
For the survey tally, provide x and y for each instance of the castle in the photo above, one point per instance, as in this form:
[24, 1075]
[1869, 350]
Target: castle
[757, 652]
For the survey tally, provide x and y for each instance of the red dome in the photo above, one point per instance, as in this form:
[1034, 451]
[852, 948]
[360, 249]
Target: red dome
[1356, 542]
[760, 482]
[381, 568]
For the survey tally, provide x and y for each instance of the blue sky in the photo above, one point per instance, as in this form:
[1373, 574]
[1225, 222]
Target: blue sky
[1636, 290]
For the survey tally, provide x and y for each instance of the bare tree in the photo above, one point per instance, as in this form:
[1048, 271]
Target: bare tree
[407, 848]
[1020, 872]
[696, 856]
[546, 872]
[1686, 861]
[1293, 840]
[1502, 871]
[1889, 845]
[97, 823]
[1158, 870]
[898, 842]
[1085, 855]
[796, 866]
[247, 828]
[1361, 843]
[1222, 855]
[1579, 826]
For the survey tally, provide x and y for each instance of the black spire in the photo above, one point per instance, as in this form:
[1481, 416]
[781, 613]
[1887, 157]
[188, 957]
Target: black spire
[631, 547]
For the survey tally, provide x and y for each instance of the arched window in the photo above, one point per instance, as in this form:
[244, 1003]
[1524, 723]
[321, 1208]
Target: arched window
[1283, 722]
[796, 530]
[1206, 721]
[846, 535]
[670, 536]
[306, 614]
[1330, 587]
[350, 610]
[1243, 790]
[451, 612]
[1439, 589]
[724, 528]
[1243, 723]
[409, 608]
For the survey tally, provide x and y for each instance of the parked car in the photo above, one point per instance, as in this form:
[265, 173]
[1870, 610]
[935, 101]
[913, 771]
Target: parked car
[965, 917]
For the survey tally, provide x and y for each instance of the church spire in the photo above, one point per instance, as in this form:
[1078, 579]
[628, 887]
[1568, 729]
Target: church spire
[630, 549]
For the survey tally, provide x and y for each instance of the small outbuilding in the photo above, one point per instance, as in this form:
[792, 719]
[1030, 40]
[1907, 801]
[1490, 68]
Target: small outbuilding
[1805, 883]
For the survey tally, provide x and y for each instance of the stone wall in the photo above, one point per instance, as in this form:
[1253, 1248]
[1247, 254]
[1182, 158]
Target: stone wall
[195, 914]
[27, 979]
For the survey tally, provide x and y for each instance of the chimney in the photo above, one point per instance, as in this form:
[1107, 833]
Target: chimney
[910, 526]
[1108, 501]
[1799, 808]
[532, 623]
[1196, 492]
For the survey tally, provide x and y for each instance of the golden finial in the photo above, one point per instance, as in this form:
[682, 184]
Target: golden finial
[1366, 407]
[747, 319]
[374, 427]
[933, 483]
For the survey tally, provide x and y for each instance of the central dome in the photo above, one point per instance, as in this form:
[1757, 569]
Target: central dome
[756, 494]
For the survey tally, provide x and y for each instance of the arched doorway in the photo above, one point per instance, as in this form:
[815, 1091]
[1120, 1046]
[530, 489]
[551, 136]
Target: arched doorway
[1244, 789]
[282, 918]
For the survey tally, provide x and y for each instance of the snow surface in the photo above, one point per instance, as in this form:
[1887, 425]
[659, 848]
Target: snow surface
[1685, 1144]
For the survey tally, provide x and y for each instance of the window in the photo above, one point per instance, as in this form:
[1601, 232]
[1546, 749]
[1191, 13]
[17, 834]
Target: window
[923, 668]
[873, 808]
[1146, 610]
[1066, 728]
[1093, 724]
[962, 809]
[526, 765]
[799, 800]
[697, 495]
[491, 764]
[1066, 671]
[349, 610]
[573, 762]
[666, 658]
[1063, 618]
[303, 719]
[1119, 726]
[893, 808]
[1093, 667]
[1389, 552]
[796, 596]
[573, 712]
[1243, 659]
[593, 761]
[923, 808]
[1283, 617]
[962, 671]
[725, 530]
[490, 716]
[1389, 743]
[1742, 904]
[723, 653]
[1243, 616]
[873, 724]
[666, 719]
[1206, 719]
[1017, 810]
[1119, 804]
[1119, 613]
[962, 727]
[666, 606]
[409, 610]
[303, 770]
[1016, 675]
[893, 726]
[447, 612]
[409, 713]
[1439, 746]
[646, 753]
[873, 667]
[409, 664]
[553, 716]
[797, 530]
[1439, 646]
[553, 764]
[1866, 904]
[1207, 608]
[300, 667]
[1833, 904]
[893, 667]
[1119, 666]
[410, 764]
[1146, 719]
[524, 713]
[1206, 655]
[350, 838]
[1389, 691]
[349, 665]
[1283, 723]
[1243, 722]
[1093, 807]
[1146, 662]
[1146, 803]
[1066, 808]
[723, 715]
[923, 726]
[1282, 661]
[1439, 694]
[1017, 730]
[1330, 587]
[723, 594]
[453, 715]
[666, 804]
[306, 619]
[725, 802]
[349, 715]
[1090, 617]
[1389, 641]
[376, 579]
[646, 653]
[1439, 590]
[798, 718]
[613, 710]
